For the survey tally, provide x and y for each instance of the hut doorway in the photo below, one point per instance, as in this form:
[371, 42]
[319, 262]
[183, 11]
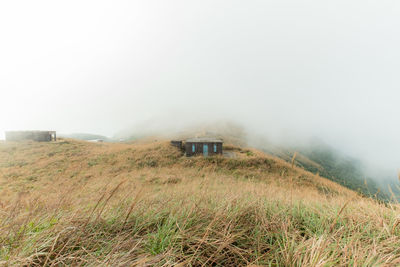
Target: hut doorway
[205, 150]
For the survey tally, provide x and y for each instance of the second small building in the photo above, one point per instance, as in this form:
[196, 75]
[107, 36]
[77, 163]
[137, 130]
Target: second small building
[39, 136]
[203, 146]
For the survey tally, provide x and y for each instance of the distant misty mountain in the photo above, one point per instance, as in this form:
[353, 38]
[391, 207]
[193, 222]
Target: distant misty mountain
[85, 136]
[228, 131]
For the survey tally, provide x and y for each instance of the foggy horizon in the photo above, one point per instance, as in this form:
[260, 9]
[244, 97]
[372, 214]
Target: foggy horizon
[279, 68]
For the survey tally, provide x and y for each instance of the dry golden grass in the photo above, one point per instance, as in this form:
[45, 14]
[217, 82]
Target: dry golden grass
[79, 203]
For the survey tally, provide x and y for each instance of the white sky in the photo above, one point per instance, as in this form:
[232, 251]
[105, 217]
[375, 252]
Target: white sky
[314, 67]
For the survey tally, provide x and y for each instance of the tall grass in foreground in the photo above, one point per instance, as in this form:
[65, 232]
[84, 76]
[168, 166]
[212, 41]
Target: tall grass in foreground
[76, 203]
[203, 221]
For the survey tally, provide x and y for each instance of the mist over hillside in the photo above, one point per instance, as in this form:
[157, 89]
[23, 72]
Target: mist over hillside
[312, 153]
[318, 157]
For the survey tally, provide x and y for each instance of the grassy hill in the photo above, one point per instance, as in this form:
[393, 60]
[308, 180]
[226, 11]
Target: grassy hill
[79, 203]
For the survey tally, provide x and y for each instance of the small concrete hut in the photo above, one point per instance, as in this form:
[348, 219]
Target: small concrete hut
[203, 146]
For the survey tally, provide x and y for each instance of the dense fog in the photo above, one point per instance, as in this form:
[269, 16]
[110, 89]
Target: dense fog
[288, 70]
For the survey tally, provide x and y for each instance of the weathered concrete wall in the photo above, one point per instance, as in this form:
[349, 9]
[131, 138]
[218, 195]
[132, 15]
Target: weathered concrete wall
[40, 136]
[199, 146]
[177, 143]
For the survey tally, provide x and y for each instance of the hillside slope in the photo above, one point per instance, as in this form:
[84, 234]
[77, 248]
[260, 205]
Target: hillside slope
[73, 202]
[317, 157]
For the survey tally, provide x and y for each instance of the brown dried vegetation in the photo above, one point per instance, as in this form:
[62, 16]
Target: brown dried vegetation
[79, 203]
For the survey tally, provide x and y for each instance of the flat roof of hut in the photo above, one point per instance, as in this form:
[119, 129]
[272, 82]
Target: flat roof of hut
[204, 140]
